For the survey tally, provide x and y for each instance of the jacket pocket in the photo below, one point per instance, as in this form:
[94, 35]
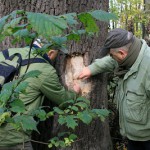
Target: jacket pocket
[136, 108]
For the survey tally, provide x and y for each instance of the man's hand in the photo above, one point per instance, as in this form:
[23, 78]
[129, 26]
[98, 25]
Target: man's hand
[85, 74]
[76, 87]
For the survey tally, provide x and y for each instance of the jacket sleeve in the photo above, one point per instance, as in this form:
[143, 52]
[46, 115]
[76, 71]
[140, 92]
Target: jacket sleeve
[105, 64]
[54, 91]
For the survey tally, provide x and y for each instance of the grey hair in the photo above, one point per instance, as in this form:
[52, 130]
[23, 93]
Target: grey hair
[125, 47]
[129, 35]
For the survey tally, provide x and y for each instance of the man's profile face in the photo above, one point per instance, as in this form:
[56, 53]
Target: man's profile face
[119, 55]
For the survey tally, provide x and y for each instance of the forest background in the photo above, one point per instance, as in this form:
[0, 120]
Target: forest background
[133, 16]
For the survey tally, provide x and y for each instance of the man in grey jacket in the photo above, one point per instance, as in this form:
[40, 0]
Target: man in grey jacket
[129, 58]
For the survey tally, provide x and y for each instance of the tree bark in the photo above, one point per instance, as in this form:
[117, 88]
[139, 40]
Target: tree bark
[96, 136]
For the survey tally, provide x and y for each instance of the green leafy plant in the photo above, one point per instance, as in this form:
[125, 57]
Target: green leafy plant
[75, 111]
[54, 31]
[64, 139]
[12, 109]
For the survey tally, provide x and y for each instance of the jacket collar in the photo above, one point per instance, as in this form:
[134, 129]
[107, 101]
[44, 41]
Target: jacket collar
[135, 66]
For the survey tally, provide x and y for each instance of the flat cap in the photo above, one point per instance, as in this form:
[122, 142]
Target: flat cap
[116, 38]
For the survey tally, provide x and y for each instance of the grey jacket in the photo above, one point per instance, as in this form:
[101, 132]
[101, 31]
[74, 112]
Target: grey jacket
[132, 94]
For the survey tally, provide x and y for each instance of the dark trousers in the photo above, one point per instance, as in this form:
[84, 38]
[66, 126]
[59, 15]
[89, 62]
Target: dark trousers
[25, 146]
[138, 145]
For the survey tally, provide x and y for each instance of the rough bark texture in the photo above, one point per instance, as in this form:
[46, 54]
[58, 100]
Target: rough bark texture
[95, 136]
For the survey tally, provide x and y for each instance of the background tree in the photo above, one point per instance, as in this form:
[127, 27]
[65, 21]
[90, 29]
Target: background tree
[96, 135]
[133, 15]
[146, 26]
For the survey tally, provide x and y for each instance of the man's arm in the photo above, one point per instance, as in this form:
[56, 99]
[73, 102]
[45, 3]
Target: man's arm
[54, 91]
[105, 64]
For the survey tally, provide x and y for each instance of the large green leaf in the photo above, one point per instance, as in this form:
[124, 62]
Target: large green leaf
[46, 25]
[21, 87]
[2, 22]
[4, 116]
[5, 95]
[71, 122]
[73, 36]
[71, 18]
[26, 122]
[2, 37]
[74, 108]
[66, 103]
[58, 110]
[82, 105]
[85, 117]
[101, 113]
[62, 119]
[16, 12]
[17, 106]
[13, 23]
[59, 40]
[89, 22]
[103, 15]
[2, 109]
[40, 113]
[83, 99]
[8, 27]
[21, 33]
[9, 86]
[72, 136]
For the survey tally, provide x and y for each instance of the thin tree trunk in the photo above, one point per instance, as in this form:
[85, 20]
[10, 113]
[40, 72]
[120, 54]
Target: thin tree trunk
[146, 24]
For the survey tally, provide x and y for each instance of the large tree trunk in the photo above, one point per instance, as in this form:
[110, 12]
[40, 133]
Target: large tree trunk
[95, 136]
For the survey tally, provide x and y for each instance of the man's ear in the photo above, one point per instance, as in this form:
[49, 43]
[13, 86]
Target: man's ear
[123, 53]
[51, 53]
